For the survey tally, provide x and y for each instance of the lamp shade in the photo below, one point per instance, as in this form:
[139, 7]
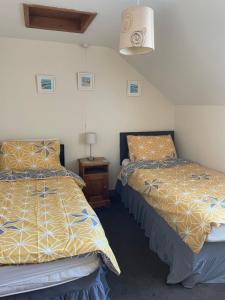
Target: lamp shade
[137, 30]
[91, 138]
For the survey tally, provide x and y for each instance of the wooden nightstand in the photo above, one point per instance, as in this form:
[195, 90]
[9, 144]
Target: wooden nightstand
[96, 176]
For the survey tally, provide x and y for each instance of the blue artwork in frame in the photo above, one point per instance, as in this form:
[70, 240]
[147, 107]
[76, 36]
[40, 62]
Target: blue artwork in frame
[133, 88]
[85, 80]
[45, 84]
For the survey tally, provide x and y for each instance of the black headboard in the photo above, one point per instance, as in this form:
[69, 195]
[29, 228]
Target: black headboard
[124, 153]
[62, 155]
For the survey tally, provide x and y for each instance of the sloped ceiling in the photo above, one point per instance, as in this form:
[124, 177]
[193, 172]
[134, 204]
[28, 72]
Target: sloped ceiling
[188, 65]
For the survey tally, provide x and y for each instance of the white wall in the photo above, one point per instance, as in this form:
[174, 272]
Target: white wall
[200, 134]
[66, 114]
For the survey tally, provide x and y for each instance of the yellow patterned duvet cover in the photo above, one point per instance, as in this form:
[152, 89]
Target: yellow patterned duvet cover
[189, 197]
[44, 216]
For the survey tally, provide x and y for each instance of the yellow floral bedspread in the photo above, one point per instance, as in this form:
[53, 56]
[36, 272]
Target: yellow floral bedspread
[48, 218]
[190, 198]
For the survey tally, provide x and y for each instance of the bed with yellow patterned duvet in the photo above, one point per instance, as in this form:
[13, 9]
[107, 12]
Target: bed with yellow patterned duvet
[178, 203]
[45, 218]
[189, 197]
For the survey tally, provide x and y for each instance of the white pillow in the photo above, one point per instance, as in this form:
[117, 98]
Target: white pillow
[125, 162]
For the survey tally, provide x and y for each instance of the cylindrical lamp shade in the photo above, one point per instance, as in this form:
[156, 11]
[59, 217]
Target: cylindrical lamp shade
[91, 138]
[137, 31]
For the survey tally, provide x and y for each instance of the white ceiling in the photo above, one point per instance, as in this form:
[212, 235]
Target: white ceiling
[188, 65]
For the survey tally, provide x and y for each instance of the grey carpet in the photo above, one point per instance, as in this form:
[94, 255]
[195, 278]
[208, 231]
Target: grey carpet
[143, 274]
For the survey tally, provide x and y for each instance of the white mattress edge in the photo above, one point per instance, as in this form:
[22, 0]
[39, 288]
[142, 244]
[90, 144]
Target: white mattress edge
[31, 281]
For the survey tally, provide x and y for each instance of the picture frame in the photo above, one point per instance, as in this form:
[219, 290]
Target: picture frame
[133, 88]
[45, 84]
[85, 80]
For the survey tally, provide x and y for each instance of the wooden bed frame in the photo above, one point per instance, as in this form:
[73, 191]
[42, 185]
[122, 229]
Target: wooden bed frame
[124, 152]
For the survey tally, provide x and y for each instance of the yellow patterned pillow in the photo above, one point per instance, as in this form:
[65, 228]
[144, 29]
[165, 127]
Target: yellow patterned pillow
[151, 147]
[26, 155]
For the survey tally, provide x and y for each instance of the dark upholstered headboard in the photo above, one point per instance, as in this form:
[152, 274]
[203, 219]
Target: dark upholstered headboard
[62, 155]
[124, 152]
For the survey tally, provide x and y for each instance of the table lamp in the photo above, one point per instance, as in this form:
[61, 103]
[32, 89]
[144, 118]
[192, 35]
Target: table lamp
[91, 139]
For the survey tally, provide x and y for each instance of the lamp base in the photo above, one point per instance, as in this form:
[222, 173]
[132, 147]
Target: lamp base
[91, 158]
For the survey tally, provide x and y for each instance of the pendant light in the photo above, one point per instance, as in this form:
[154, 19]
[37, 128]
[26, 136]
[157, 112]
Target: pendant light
[137, 30]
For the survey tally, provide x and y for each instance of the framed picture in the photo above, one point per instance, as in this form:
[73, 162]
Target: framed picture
[45, 84]
[133, 88]
[85, 81]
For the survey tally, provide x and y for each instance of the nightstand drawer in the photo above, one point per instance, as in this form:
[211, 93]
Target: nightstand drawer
[96, 169]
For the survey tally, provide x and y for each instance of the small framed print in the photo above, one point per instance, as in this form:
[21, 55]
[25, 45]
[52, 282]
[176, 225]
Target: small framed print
[45, 84]
[85, 81]
[133, 88]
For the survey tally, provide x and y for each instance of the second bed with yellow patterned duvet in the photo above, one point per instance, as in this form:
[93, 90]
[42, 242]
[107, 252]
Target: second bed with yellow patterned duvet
[180, 204]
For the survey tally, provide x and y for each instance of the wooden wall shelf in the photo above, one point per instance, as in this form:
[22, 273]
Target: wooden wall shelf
[59, 19]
